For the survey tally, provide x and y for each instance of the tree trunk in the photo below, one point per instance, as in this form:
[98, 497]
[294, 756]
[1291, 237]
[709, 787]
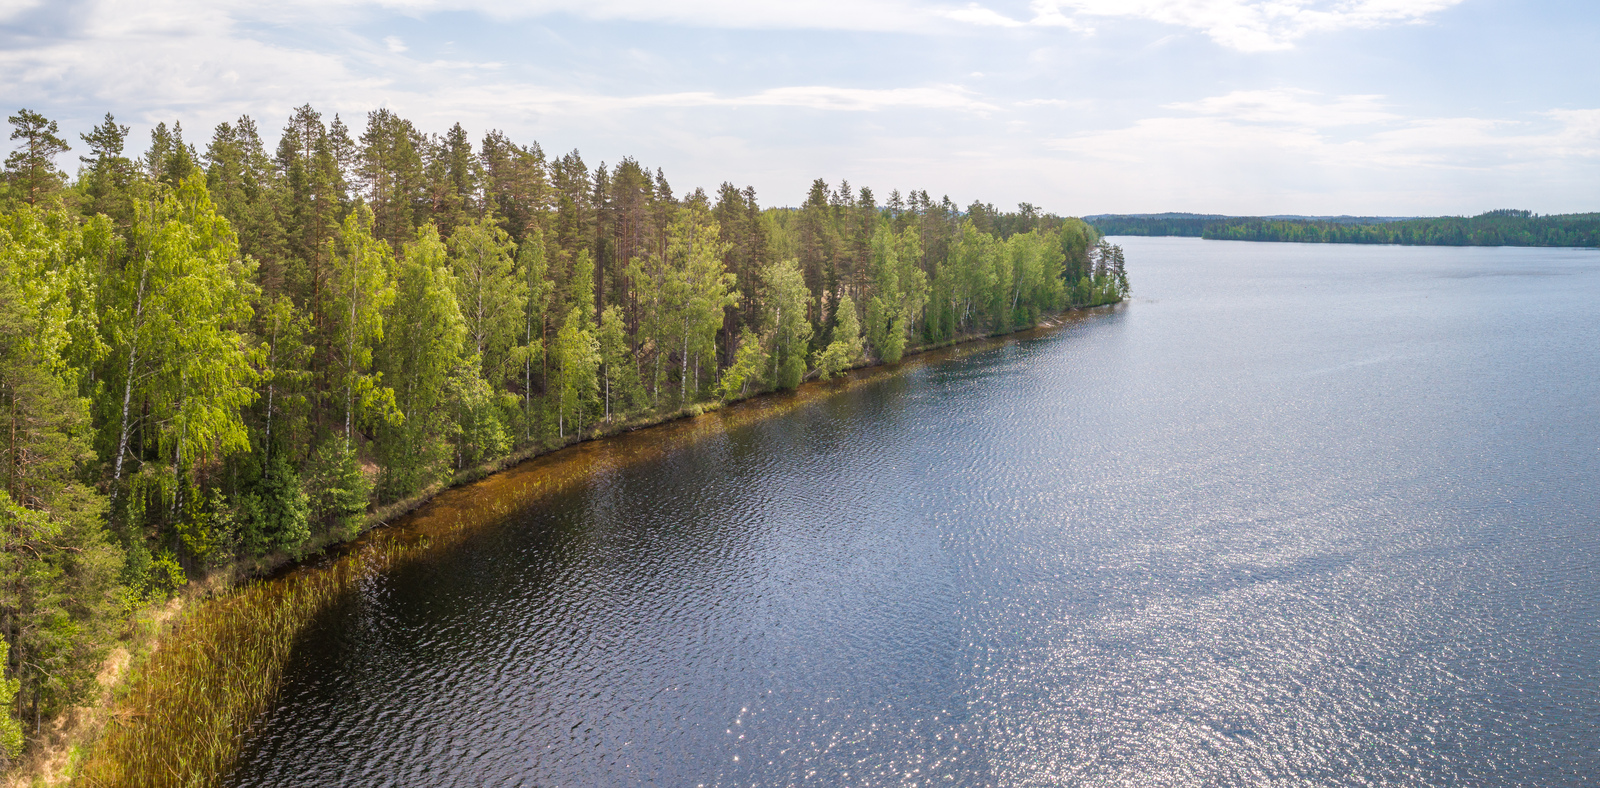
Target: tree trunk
[127, 384]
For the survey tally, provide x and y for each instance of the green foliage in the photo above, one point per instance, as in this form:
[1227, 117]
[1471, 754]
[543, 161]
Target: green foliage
[748, 367]
[172, 319]
[532, 274]
[284, 354]
[1187, 225]
[787, 299]
[901, 292]
[845, 349]
[275, 511]
[421, 354]
[479, 432]
[361, 296]
[577, 357]
[108, 186]
[620, 373]
[490, 294]
[31, 169]
[208, 527]
[702, 289]
[10, 726]
[337, 489]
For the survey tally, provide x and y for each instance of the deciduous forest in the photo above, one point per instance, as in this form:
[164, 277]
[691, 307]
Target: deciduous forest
[219, 355]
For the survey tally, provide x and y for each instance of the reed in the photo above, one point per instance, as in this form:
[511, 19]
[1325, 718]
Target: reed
[183, 718]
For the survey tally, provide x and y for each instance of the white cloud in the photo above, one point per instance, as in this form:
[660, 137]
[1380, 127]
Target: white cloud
[166, 56]
[1292, 106]
[1254, 25]
[1248, 25]
[869, 15]
[975, 14]
[13, 8]
[1247, 125]
[527, 98]
[1294, 151]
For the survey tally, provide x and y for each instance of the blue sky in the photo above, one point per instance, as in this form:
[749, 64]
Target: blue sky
[1397, 107]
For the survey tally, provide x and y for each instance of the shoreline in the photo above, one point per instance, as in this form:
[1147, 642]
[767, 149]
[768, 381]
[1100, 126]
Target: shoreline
[192, 628]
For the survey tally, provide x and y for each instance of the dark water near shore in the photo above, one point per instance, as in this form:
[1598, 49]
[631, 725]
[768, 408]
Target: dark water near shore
[1298, 515]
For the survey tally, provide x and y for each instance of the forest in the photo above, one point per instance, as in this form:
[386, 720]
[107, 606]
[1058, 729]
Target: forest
[1184, 225]
[1494, 228]
[232, 356]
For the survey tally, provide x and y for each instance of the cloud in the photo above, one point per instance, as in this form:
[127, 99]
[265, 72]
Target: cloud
[975, 14]
[1079, 104]
[176, 57]
[1355, 131]
[10, 9]
[527, 98]
[1253, 25]
[864, 15]
[1296, 151]
[1291, 106]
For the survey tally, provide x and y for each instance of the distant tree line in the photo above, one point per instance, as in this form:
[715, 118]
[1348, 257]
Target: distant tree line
[1184, 225]
[220, 354]
[1494, 228]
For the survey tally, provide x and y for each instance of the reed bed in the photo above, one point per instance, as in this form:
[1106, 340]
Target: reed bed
[183, 718]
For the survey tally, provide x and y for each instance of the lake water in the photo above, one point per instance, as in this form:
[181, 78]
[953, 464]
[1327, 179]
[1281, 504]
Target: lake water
[1296, 515]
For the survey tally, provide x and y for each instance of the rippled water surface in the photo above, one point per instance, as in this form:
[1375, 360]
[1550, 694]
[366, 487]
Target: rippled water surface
[1297, 515]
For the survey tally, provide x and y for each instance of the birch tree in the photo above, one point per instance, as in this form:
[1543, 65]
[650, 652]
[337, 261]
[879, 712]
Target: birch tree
[787, 298]
[361, 293]
[490, 294]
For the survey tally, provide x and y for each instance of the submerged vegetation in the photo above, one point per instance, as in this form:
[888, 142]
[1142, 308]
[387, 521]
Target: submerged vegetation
[1495, 228]
[222, 359]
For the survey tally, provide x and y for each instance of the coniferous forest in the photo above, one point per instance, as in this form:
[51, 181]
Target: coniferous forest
[215, 355]
[1494, 228]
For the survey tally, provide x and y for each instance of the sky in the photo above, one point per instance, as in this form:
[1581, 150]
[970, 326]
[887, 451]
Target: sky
[1244, 107]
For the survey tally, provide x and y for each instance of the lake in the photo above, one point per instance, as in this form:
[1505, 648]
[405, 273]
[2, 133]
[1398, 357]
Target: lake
[1295, 515]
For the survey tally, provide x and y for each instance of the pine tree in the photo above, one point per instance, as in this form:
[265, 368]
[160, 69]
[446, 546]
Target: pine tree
[108, 183]
[31, 169]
